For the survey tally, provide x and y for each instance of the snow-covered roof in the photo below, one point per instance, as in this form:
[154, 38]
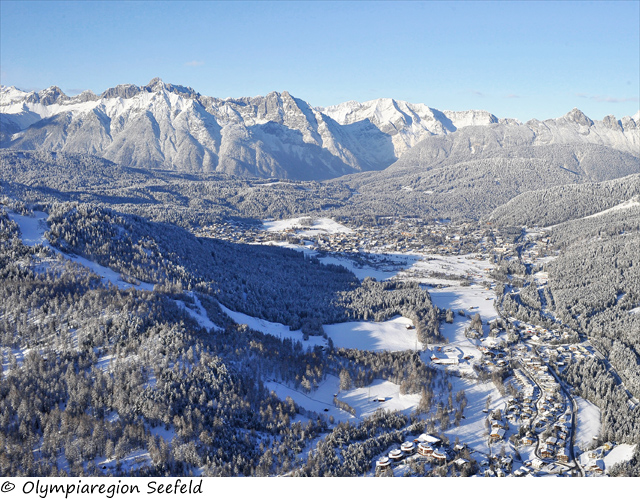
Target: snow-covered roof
[428, 438]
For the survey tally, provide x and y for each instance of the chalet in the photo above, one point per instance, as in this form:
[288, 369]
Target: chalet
[547, 451]
[552, 441]
[497, 433]
[536, 463]
[597, 466]
[383, 462]
[396, 455]
[461, 461]
[497, 424]
[507, 463]
[597, 453]
[563, 455]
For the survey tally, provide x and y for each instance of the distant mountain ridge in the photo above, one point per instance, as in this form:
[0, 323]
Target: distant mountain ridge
[173, 127]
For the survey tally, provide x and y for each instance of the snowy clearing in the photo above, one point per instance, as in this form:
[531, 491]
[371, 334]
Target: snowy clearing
[302, 228]
[276, 329]
[200, 315]
[391, 335]
[472, 429]
[463, 266]
[33, 229]
[472, 299]
[619, 453]
[318, 400]
[633, 202]
[361, 399]
[588, 422]
[382, 272]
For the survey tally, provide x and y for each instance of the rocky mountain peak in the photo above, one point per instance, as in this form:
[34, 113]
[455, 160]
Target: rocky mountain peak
[125, 91]
[577, 116]
[47, 96]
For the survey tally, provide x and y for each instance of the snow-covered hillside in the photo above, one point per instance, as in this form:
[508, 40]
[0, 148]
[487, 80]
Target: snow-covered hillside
[278, 135]
[406, 123]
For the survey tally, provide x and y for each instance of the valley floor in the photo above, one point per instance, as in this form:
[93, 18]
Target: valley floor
[518, 421]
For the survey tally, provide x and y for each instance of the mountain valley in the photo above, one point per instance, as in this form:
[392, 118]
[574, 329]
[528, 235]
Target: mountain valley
[259, 287]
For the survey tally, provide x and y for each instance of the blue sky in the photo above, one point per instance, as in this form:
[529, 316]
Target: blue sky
[516, 59]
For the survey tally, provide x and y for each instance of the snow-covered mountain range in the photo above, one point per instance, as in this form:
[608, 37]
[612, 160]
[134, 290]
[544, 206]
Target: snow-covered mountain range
[173, 127]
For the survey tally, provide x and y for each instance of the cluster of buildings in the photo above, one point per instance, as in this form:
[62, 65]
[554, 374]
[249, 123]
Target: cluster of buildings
[541, 335]
[595, 458]
[426, 447]
[385, 234]
[563, 355]
[496, 466]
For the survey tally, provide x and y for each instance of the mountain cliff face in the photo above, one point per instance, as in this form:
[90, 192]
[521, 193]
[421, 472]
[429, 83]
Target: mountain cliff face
[175, 128]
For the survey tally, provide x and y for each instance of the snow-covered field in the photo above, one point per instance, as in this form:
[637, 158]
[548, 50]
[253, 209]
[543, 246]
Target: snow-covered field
[361, 399]
[472, 428]
[361, 272]
[32, 230]
[588, 422]
[619, 453]
[471, 299]
[460, 266]
[391, 335]
[319, 400]
[317, 226]
[276, 329]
